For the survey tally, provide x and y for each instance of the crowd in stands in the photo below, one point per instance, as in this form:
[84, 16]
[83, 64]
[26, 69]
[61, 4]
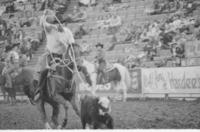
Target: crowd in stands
[171, 33]
[19, 21]
[13, 34]
[169, 6]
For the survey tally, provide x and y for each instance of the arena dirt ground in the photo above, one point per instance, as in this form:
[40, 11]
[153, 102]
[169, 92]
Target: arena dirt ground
[133, 114]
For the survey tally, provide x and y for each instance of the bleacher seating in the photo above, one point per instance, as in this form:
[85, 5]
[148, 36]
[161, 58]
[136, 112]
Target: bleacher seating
[131, 12]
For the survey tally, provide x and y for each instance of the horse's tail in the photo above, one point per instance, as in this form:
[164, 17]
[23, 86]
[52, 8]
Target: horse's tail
[127, 78]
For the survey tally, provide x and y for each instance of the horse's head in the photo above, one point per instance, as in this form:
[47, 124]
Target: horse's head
[26, 79]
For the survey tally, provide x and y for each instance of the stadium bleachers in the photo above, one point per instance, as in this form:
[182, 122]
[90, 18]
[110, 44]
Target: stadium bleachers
[131, 12]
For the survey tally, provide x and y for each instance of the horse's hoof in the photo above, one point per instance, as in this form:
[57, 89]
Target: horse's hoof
[47, 126]
[59, 127]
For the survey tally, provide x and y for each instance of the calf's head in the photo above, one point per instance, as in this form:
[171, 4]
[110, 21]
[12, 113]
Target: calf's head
[104, 105]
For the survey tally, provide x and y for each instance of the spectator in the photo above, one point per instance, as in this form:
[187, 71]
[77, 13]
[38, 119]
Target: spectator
[10, 8]
[80, 32]
[77, 15]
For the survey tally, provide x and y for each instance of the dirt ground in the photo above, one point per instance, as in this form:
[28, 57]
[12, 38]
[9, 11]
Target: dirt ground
[130, 115]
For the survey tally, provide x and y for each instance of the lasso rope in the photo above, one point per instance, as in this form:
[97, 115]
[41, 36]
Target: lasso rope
[72, 57]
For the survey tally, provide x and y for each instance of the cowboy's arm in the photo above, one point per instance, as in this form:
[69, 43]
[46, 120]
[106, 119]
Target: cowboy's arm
[47, 26]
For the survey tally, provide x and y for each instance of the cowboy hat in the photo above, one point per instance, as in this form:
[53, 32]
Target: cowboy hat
[99, 45]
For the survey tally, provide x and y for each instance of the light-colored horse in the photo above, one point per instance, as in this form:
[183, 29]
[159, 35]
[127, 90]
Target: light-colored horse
[118, 76]
[119, 85]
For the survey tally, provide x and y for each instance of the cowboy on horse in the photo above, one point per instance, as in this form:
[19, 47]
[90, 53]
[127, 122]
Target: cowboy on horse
[101, 57]
[100, 52]
[57, 40]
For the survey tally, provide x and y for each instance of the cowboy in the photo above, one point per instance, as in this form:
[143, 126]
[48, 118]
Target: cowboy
[57, 40]
[12, 64]
[101, 57]
[100, 52]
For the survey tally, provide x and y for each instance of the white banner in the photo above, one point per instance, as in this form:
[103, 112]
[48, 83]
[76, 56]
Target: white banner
[171, 80]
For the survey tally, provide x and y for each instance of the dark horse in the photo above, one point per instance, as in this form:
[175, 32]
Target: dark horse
[59, 87]
[26, 78]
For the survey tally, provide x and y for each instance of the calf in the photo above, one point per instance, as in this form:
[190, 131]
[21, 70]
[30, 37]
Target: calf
[95, 113]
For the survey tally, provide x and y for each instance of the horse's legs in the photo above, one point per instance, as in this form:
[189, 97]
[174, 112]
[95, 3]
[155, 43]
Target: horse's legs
[55, 114]
[40, 106]
[60, 100]
[13, 96]
[124, 88]
[7, 98]
[75, 102]
[94, 82]
[3, 92]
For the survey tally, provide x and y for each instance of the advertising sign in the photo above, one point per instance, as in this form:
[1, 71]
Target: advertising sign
[171, 80]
